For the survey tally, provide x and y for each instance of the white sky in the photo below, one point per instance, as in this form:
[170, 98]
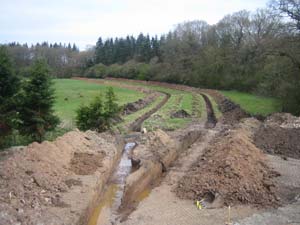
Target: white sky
[83, 21]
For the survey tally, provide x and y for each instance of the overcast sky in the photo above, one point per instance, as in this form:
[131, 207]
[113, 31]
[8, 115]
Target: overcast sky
[83, 21]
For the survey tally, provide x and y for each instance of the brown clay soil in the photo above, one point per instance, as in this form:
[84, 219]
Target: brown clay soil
[280, 135]
[233, 171]
[37, 182]
[86, 163]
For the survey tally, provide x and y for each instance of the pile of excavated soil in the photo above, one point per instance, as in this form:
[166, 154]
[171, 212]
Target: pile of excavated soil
[233, 170]
[280, 135]
[36, 178]
[180, 114]
[132, 107]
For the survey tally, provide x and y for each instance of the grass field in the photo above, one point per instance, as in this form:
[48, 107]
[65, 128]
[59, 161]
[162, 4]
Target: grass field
[70, 94]
[254, 104]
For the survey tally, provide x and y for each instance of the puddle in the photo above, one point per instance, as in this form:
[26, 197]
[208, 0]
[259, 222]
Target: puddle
[107, 212]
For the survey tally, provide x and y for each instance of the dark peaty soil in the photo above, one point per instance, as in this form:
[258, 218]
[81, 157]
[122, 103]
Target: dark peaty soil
[233, 169]
[278, 140]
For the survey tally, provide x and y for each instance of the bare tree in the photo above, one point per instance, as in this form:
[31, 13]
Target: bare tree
[290, 8]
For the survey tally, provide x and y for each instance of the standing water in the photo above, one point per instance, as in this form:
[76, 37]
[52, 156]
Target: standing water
[106, 212]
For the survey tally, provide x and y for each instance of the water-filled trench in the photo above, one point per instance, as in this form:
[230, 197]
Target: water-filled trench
[107, 211]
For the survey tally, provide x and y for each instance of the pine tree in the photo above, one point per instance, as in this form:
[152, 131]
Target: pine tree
[111, 107]
[99, 51]
[98, 115]
[36, 113]
[74, 48]
[9, 86]
[92, 116]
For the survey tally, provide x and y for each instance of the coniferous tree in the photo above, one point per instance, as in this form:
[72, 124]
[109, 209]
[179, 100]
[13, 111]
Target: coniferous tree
[99, 51]
[111, 106]
[98, 115]
[37, 113]
[9, 86]
[92, 116]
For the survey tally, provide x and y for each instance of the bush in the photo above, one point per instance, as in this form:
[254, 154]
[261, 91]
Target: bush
[99, 115]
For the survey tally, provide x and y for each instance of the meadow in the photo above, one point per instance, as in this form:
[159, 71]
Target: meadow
[70, 94]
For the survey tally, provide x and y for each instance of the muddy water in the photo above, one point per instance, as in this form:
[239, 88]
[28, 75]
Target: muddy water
[107, 212]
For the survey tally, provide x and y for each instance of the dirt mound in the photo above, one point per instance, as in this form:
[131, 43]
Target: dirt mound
[180, 114]
[284, 120]
[36, 179]
[132, 107]
[280, 135]
[233, 170]
[227, 105]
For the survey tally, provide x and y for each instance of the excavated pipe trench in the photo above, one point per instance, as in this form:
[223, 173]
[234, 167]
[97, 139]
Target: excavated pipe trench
[136, 126]
[107, 212]
[129, 184]
[211, 118]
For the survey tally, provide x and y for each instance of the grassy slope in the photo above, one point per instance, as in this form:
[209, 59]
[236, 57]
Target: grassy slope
[254, 104]
[80, 92]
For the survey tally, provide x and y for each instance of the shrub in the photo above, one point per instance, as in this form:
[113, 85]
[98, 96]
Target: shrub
[99, 115]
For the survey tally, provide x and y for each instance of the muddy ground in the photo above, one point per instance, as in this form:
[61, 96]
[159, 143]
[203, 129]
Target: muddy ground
[280, 135]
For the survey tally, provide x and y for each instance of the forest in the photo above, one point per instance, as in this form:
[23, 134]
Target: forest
[256, 52]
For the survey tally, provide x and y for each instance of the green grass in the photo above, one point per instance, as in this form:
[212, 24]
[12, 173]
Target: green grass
[199, 106]
[162, 118]
[254, 104]
[178, 100]
[70, 94]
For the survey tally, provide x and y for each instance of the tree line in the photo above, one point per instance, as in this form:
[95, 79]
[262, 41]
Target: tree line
[255, 52]
[64, 60]
[120, 50]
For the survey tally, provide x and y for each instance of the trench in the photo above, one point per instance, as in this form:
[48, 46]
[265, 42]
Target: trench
[211, 117]
[136, 126]
[109, 207]
[107, 211]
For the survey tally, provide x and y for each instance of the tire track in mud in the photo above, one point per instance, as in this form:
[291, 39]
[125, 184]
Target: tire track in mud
[136, 125]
